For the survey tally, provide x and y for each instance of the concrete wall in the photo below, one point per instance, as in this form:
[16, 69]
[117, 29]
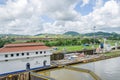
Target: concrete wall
[31, 54]
[16, 63]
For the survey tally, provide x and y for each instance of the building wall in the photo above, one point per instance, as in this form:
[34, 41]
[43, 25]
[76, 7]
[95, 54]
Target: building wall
[31, 54]
[17, 65]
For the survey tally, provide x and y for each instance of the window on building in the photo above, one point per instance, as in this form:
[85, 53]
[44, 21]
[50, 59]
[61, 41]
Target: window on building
[6, 60]
[44, 51]
[6, 55]
[17, 54]
[36, 52]
[22, 54]
[45, 55]
[12, 55]
[27, 53]
[40, 52]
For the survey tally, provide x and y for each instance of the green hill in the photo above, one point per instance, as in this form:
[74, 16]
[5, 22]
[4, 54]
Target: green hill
[103, 34]
[98, 34]
[73, 33]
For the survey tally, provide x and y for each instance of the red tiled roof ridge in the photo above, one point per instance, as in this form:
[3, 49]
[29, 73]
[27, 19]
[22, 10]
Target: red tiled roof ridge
[27, 47]
[23, 45]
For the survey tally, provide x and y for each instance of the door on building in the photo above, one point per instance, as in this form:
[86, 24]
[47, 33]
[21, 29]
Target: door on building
[28, 66]
[44, 63]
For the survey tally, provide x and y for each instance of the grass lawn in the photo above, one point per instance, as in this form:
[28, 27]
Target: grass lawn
[112, 42]
[72, 48]
[112, 53]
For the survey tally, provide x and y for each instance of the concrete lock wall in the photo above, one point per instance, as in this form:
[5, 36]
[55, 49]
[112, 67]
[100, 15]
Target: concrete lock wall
[35, 76]
[60, 56]
[20, 76]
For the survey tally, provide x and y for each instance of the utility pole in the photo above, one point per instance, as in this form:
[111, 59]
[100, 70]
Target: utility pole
[94, 34]
[64, 49]
[94, 39]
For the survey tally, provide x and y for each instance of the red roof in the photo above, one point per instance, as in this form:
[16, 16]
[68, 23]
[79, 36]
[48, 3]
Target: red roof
[24, 44]
[23, 47]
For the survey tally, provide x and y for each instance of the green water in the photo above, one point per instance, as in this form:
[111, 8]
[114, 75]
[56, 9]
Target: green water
[106, 69]
[65, 74]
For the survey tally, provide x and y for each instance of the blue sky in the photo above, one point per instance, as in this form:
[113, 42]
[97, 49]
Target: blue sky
[85, 10]
[2, 1]
[53, 16]
[47, 19]
[88, 8]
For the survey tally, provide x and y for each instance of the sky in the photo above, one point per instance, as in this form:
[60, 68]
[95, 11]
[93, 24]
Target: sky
[30, 17]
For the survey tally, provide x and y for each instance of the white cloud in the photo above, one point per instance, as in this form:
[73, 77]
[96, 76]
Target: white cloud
[20, 17]
[24, 16]
[84, 2]
[99, 3]
[109, 14]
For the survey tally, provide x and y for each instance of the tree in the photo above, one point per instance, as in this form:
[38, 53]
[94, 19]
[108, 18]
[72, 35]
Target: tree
[85, 41]
[5, 41]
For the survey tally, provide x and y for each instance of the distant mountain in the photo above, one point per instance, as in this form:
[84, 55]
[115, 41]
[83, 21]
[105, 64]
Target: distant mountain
[39, 34]
[45, 34]
[102, 34]
[73, 33]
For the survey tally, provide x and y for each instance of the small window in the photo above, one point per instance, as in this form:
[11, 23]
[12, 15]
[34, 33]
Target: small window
[17, 54]
[44, 51]
[45, 55]
[6, 60]
[36, 52]
[27, 53]
[6, 55]
[40, 52]
[22, 54]
[12, 55]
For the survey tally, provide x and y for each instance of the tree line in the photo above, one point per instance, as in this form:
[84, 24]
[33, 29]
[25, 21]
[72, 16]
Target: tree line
[68, 42]
[5, 41]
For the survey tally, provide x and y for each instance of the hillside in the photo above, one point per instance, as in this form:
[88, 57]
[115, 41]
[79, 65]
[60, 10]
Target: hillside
[102, 34]
[73, 33]
[70, 34]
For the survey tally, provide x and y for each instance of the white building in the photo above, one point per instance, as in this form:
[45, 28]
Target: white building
[21, 57]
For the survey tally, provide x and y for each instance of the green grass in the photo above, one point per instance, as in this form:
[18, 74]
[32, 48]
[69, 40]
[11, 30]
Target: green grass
[112, 53]
[66, 49]
[112, 42]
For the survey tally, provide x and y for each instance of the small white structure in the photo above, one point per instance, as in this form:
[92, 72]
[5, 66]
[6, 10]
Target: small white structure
[108, 47]
[21, 57]
[116, 45]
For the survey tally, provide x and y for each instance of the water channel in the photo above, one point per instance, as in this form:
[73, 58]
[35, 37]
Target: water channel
[106, 69]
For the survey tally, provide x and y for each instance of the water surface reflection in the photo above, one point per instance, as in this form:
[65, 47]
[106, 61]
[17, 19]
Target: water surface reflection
[106, 69]
[65, 74]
